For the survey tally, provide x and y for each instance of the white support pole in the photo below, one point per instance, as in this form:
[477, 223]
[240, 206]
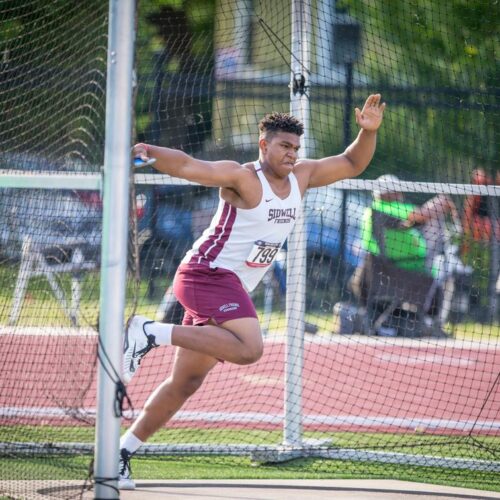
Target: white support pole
[324, 38]
[296, 255]
[114, 239]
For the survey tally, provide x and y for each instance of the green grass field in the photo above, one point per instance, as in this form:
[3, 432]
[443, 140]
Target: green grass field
[224, 467]
[241, 467]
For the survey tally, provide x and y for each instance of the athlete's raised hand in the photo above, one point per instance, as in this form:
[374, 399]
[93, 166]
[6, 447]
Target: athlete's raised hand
[370, 117]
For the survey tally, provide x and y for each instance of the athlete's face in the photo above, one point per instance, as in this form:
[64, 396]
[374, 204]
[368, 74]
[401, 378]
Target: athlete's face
[280, 151]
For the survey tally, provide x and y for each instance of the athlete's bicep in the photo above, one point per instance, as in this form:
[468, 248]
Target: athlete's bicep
[328, 170]
[212, 173]
[317, 173]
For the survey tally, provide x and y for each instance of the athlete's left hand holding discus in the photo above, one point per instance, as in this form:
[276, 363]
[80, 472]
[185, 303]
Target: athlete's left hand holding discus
[259, 203]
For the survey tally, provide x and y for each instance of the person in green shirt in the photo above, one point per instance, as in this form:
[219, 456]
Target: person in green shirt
[406, 234]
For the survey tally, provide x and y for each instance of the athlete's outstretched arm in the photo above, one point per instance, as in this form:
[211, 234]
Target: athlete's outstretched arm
[179, 164]
[354, 160]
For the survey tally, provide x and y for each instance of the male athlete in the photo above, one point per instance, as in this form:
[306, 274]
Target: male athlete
[259, 204]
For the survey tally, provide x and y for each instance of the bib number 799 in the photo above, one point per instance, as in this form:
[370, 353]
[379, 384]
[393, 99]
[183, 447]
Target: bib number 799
[262, 254]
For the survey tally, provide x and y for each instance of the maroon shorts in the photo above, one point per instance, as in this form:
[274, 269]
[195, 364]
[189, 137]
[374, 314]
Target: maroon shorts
[207, 294]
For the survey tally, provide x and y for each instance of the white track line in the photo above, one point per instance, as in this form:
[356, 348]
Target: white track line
[369, 421]
[48, 331]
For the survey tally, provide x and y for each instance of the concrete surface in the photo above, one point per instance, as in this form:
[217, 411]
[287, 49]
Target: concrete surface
[347, 489]
[299, 490]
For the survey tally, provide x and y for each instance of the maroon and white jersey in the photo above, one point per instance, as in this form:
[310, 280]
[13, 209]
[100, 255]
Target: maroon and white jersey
[246, 241]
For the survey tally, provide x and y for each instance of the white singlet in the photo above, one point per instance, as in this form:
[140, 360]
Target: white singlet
[246, 241]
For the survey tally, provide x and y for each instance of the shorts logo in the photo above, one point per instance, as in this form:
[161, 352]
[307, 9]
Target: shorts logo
[231, 306]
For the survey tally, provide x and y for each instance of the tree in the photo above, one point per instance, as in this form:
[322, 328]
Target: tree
[429, 42]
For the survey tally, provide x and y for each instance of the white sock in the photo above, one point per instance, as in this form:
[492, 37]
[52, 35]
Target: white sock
[130, 442]
[161, 331]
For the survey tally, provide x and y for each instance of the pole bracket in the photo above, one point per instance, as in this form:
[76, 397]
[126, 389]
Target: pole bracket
[299, 84]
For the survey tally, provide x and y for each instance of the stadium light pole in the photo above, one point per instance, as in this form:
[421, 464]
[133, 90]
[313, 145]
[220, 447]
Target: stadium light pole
[114, 241]
[346, 51]
[346, 140]
[296, 255]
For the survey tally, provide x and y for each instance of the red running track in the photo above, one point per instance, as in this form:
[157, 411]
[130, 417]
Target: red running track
[348, 384]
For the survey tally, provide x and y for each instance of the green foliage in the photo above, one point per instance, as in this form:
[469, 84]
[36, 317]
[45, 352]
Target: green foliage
[424, 42]
[175, 44]
[53, 64]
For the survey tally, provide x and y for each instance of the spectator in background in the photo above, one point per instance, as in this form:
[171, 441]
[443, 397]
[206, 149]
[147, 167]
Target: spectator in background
[408, 235]
[477, 219]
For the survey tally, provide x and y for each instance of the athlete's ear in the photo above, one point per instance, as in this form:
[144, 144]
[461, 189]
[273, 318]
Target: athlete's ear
[263, 144]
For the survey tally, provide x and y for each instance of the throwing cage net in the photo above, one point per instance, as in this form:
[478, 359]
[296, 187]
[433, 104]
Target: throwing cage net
[393, 370]
[52, 87]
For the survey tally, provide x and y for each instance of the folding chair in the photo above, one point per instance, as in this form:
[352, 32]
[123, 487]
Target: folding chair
[403, 301]
[399, 298]
[35, 262]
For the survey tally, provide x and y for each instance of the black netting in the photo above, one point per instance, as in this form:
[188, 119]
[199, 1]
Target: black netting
[398, 373]
[400, 358]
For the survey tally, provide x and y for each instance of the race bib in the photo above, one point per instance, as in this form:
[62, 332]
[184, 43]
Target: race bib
[262, 254]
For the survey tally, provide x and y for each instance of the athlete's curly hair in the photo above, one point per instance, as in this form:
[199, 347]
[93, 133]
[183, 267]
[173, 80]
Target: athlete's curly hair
[280, 122]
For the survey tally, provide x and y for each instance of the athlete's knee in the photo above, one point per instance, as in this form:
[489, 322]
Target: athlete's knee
[250, 353]
[250, 347]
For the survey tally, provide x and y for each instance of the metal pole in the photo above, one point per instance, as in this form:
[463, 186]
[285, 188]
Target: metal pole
[494, 260]
[114, 238]
[347, 141]
[296, 255]
[348, 102]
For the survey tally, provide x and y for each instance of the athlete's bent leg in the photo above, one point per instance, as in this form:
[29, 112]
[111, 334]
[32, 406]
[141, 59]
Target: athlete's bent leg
[198, 349]
[238, 341]
[188, 373]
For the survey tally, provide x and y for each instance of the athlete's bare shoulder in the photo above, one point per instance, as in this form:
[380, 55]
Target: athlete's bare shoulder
[302, 171]
[249, 165]
[248, 192]
[248, 174]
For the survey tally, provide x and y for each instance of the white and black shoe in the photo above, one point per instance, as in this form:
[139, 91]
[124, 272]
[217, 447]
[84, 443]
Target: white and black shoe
[137, 344]
[125, 481]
